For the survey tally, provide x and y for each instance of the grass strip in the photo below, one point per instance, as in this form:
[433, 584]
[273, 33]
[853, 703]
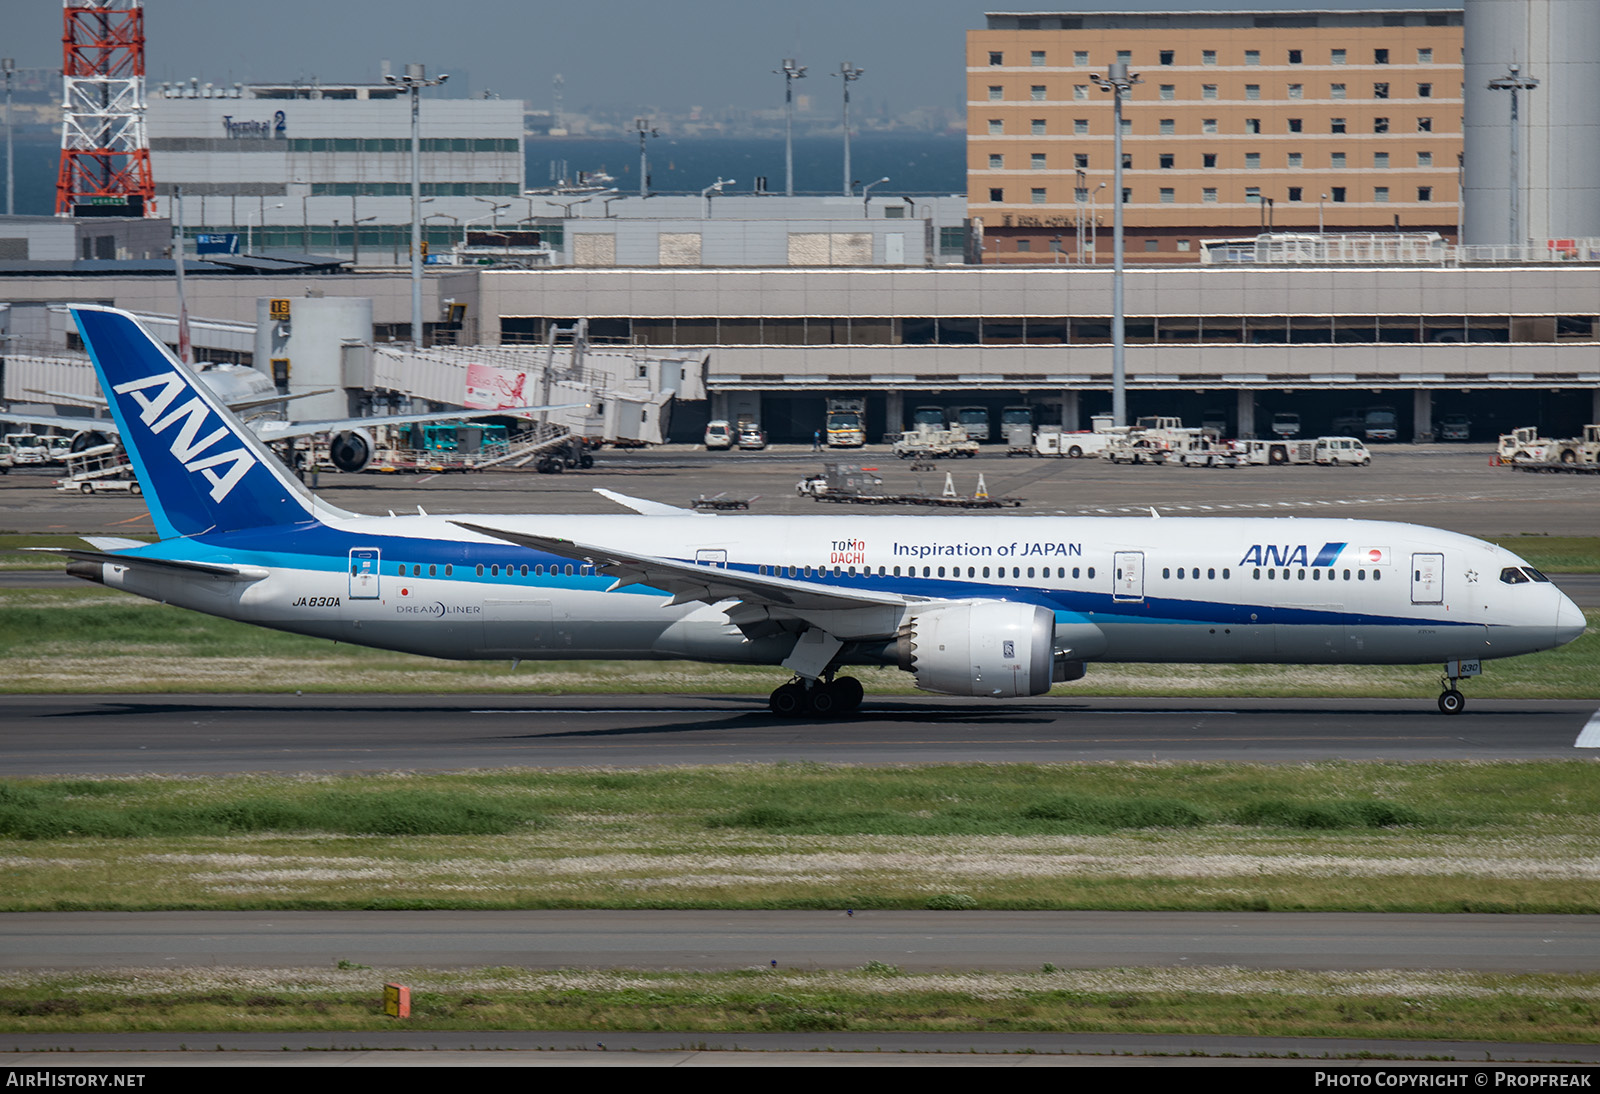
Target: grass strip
[878, 997]
[95, 641]
[1483, 837]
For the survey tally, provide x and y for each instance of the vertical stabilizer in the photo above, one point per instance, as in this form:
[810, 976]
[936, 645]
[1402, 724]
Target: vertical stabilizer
[201, 468]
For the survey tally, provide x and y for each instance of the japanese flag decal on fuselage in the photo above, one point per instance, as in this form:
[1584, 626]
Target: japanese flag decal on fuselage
[202, 470]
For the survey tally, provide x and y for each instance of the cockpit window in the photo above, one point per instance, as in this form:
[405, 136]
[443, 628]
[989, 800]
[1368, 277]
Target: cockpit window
[1535, 574]
[1512, 575]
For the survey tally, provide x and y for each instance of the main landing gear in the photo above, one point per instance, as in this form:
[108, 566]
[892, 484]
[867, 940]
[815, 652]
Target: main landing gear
[825, 698]
[1451, 701]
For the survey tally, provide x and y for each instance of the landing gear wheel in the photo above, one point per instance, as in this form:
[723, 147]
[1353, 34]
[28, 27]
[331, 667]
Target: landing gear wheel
[824, 700]
[787, 701]
[847, 694]
[1452, 701]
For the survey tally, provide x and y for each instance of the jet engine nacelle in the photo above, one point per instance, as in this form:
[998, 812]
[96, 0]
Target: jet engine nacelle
[351, 450]
[979, 647]
[85, 439]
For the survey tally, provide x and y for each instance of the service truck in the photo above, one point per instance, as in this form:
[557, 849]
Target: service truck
[847, 422]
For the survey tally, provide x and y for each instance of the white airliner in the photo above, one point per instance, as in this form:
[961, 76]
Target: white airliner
[971, 605]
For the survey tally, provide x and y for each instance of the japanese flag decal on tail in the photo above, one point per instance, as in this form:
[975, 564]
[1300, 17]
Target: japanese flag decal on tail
[202, 470]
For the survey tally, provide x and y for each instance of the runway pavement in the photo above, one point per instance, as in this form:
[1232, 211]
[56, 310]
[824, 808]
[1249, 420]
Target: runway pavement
[131, 734]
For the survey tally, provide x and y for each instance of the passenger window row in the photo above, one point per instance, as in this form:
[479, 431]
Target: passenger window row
[496, 570]
[980, 572]
[1316, 574]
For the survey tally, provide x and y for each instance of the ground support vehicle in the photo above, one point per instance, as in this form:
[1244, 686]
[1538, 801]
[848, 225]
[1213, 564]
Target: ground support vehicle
[846, 423]
[1584, 450]
[859, 486]
[5, 459]
[1207, 451]
[721, 502]
[103, 469]
[28, 448]
[1455, 427]
[1286, 425]
[1523, 445]
[719, 435]
[1275, 453]
[1332, 451]
[974, 420]
[1053, 442]
[934, 444]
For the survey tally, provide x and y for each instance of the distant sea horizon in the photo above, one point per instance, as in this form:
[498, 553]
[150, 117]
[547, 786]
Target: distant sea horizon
[914, 162]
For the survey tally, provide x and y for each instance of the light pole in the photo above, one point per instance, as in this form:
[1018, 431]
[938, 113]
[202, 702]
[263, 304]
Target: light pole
[10, 66]
[1119, 81]
[791, 73]
[1319, 213]
[1092, 231]
[249, 236]
[645, 132]
[414, 80]
[714, 188]
[1513, 81]
[866, 195]
[848, 73]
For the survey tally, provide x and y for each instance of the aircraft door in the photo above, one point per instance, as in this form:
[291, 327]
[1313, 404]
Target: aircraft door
[1427, 579]
[1128, 575]
[364, 573]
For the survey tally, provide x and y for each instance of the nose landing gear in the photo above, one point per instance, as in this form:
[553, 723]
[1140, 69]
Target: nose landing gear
[1451, 701]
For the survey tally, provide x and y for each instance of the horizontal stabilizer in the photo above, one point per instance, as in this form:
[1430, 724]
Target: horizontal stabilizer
[210, 569]
[647, 507]
[113, 543]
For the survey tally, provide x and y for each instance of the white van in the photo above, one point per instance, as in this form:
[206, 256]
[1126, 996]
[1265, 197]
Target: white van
[719, 434]
[1346, 450]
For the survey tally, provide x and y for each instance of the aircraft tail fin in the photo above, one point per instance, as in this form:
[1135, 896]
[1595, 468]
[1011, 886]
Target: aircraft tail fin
[201, 469]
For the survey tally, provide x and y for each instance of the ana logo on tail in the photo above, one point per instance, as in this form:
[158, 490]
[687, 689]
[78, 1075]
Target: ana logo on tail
[186, 446]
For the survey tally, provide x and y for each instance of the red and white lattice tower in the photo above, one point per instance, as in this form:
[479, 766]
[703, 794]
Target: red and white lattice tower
[105, 155]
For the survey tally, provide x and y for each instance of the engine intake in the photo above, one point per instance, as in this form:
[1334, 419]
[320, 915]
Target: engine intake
[350, 451]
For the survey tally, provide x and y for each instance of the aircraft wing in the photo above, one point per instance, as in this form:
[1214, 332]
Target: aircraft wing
[54, 421]
[646, 507]
[282, 431]
[849, 613]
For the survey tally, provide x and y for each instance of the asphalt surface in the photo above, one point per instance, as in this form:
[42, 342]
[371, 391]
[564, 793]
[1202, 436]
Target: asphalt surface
[204, 734]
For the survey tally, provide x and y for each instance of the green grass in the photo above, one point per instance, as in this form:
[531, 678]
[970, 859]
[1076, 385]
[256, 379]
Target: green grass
[1555, 554]
[1327, 837]
[1549, 1009]
[93, 640]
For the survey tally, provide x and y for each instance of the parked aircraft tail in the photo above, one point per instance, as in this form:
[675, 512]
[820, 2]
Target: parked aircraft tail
[201, 469]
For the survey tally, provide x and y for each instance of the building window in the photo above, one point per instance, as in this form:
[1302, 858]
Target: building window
[1152, 245]
[996, 127]
[1380, 56]
[1294, 193]
[1208, 56]
[1424, 91]
[1036, 93]
[1127, 161]
[997, 161]
[1168, 127]
[1336, 161]
[1183, 244]
[1424, 159]
[1036, 161]
[1036, 126]
[1166, 56]
[1380, 159]
[1380, 125]
[1294, 56]
[1169, 91]
[1335, 91]
[1252, 56]
[1080, 91]
[1424, 193]
[1127, 127]
[1208, 159]
[1297, 91]
[1335, 125]
[1424, 125]
[1080, 57]
[1209, 194]
[1036, 58]
[1380, 91]
[1252, 161]
[1166, 161]
[1336, 57]
[1424, 56]
[1252, 125]
[995, 93]
[1295, 159]
[1294, 125]
[1080, 125]
[1208, 91]
[1125, 56]
[1252, 193]
[1380, 193]
[1168, 195]
[996, 58]
[1208, 125]
[996, 194]
[1036, 195]
[1024, 246]
[1080, 159]
[1127, 195]
[1338, 195]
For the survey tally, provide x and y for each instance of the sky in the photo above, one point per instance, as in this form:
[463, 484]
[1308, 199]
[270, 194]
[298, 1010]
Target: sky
[613, 54]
